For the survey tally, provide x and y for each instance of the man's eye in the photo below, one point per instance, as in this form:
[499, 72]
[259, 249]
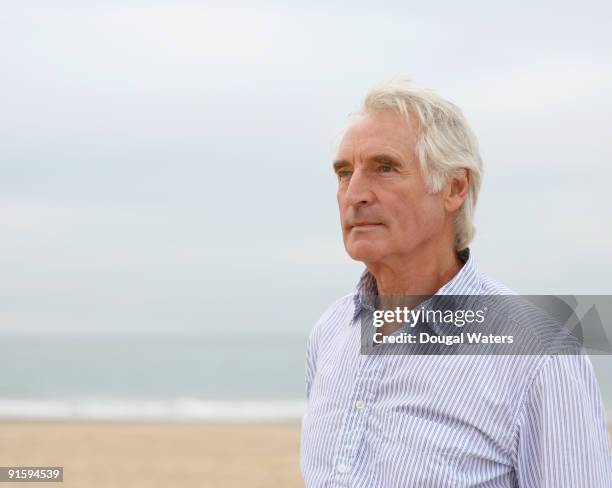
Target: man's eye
[386, 168]
[343, 174]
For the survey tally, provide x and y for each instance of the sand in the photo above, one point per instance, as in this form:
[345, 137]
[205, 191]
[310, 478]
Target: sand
[128, 455]
[182, 455]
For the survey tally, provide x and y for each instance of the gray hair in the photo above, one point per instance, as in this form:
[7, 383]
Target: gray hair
[445, 144]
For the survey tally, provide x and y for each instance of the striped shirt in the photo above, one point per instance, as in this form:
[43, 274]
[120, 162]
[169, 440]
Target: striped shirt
[447, 420]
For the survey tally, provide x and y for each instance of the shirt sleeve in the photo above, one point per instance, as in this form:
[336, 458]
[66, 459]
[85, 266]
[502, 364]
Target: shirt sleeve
[561, 436]
[311, 363]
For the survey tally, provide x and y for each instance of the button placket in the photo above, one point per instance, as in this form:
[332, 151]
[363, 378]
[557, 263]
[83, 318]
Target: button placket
[363, 392]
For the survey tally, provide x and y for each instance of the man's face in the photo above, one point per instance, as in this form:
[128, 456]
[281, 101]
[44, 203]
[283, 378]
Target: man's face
[385, 210]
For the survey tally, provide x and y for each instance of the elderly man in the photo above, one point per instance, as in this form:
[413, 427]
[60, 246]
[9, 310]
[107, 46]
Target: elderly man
[409, 173]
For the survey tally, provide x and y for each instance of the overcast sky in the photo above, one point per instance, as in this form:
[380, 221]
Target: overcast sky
[167, 165]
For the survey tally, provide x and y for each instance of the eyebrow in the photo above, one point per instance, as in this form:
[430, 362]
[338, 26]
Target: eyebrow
[339, 164]
[377, 158]
[385, 158]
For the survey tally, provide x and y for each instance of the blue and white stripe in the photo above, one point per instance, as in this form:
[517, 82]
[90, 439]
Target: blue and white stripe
[447, 421]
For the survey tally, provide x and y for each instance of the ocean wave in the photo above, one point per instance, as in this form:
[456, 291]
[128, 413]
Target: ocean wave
[181, 409]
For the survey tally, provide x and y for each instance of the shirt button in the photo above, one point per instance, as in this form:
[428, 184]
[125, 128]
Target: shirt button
[342, 468]
[360, 404]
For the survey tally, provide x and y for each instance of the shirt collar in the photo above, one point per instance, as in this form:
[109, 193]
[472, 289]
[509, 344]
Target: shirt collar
[465, 282]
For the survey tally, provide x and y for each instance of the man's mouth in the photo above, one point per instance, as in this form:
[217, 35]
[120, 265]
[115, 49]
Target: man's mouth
[365, 225]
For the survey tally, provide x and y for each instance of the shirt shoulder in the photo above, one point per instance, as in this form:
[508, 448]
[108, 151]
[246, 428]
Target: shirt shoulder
[490, 286]
[338, 311]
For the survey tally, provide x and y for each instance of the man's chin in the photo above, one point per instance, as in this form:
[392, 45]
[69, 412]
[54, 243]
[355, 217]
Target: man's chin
[365, 252]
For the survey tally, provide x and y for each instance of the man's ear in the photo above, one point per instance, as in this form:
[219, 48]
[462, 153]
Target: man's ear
[456, 190]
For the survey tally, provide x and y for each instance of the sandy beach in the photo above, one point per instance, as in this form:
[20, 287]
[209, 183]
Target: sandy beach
[172, 454]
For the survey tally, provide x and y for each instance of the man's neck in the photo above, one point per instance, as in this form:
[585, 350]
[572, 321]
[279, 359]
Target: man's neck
[421, 273]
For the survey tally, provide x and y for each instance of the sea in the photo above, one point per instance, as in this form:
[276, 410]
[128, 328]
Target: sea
[145, 377]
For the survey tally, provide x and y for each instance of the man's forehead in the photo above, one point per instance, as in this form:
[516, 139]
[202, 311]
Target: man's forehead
[379, 131]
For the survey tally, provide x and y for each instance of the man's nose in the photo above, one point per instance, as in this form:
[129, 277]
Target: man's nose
[359, 189]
